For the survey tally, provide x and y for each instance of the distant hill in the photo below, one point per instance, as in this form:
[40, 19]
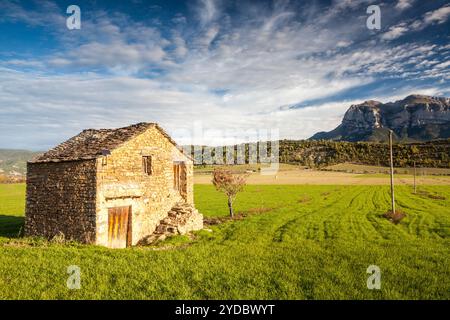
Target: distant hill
[415, 118]
[14, 162]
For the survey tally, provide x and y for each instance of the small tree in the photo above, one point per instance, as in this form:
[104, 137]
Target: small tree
[230, 184]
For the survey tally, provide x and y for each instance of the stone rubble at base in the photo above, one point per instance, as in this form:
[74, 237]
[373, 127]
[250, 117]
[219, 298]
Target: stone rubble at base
[181, 219]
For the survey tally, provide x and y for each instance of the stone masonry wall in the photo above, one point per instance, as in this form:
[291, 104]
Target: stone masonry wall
[61, 198]
[121, 181]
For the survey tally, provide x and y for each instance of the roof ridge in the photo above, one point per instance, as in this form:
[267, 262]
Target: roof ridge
[125, 127]
[89, 143]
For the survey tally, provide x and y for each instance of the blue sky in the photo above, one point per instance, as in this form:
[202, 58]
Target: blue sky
[226, 67]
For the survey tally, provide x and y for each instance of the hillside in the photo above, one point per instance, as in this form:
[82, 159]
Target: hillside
[415, 118]
[14, 162]
[324, 152]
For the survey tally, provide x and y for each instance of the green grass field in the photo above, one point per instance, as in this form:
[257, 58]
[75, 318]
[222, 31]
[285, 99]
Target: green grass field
[12, 207]
[296, 242]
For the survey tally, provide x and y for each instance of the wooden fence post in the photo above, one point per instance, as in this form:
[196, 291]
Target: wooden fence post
[392, 172]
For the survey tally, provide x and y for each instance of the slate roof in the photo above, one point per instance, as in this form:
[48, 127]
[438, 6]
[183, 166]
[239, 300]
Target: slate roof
[92, 143]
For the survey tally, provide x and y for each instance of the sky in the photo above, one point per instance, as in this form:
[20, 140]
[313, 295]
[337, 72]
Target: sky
[211, 72]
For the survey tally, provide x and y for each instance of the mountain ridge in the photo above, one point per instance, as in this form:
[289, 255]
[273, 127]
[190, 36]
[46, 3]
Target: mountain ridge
[414, 118]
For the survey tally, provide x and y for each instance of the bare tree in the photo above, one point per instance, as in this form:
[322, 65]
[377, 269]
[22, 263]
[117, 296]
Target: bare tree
[230, 184]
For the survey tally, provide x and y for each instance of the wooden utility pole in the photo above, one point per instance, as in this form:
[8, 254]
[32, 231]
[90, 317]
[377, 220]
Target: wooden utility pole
[415, 173]
[392, 172]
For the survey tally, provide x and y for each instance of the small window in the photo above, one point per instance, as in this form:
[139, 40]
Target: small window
[147, 165]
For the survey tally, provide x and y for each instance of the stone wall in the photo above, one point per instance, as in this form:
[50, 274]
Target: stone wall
[121, 181]
[61, 198]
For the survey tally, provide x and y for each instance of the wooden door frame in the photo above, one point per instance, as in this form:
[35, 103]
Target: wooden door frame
[130, 227]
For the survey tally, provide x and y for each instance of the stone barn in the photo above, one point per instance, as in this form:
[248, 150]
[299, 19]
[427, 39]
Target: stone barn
[112, 187]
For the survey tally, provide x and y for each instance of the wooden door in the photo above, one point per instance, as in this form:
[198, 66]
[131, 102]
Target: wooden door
[176, 176]
[180, 178]
[119, 227]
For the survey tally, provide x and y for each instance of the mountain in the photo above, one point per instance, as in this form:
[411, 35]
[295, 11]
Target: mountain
[415, 118]
[14, 162]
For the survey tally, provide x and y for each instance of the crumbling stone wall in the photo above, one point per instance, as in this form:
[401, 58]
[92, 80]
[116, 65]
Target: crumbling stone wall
[182, 218]
[121, 181]
[61, 198]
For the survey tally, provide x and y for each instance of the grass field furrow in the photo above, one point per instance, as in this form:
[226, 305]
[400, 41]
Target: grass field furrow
[305, 221]
[424, 217]
[349, 214]
[359, 221]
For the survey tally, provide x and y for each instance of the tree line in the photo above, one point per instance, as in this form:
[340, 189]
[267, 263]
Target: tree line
[323, 153]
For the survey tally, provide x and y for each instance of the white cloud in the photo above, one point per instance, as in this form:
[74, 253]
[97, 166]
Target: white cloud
[23, 63]
[116, 54]
[343, 43]
[395, 32]
[404, 4]
[48, 13]
[437, 16]
[180, 45]
[207, 11]
[443, 65]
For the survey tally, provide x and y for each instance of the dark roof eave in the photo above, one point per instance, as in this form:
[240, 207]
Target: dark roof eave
[64, 160]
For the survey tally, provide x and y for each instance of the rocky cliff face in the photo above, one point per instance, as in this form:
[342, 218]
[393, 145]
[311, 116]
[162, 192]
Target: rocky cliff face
[415, 118]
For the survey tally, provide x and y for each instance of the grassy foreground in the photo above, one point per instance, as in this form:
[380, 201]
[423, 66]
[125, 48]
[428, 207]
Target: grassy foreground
[297, 242]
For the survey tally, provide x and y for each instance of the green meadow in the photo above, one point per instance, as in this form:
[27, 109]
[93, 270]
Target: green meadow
[290, 242]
